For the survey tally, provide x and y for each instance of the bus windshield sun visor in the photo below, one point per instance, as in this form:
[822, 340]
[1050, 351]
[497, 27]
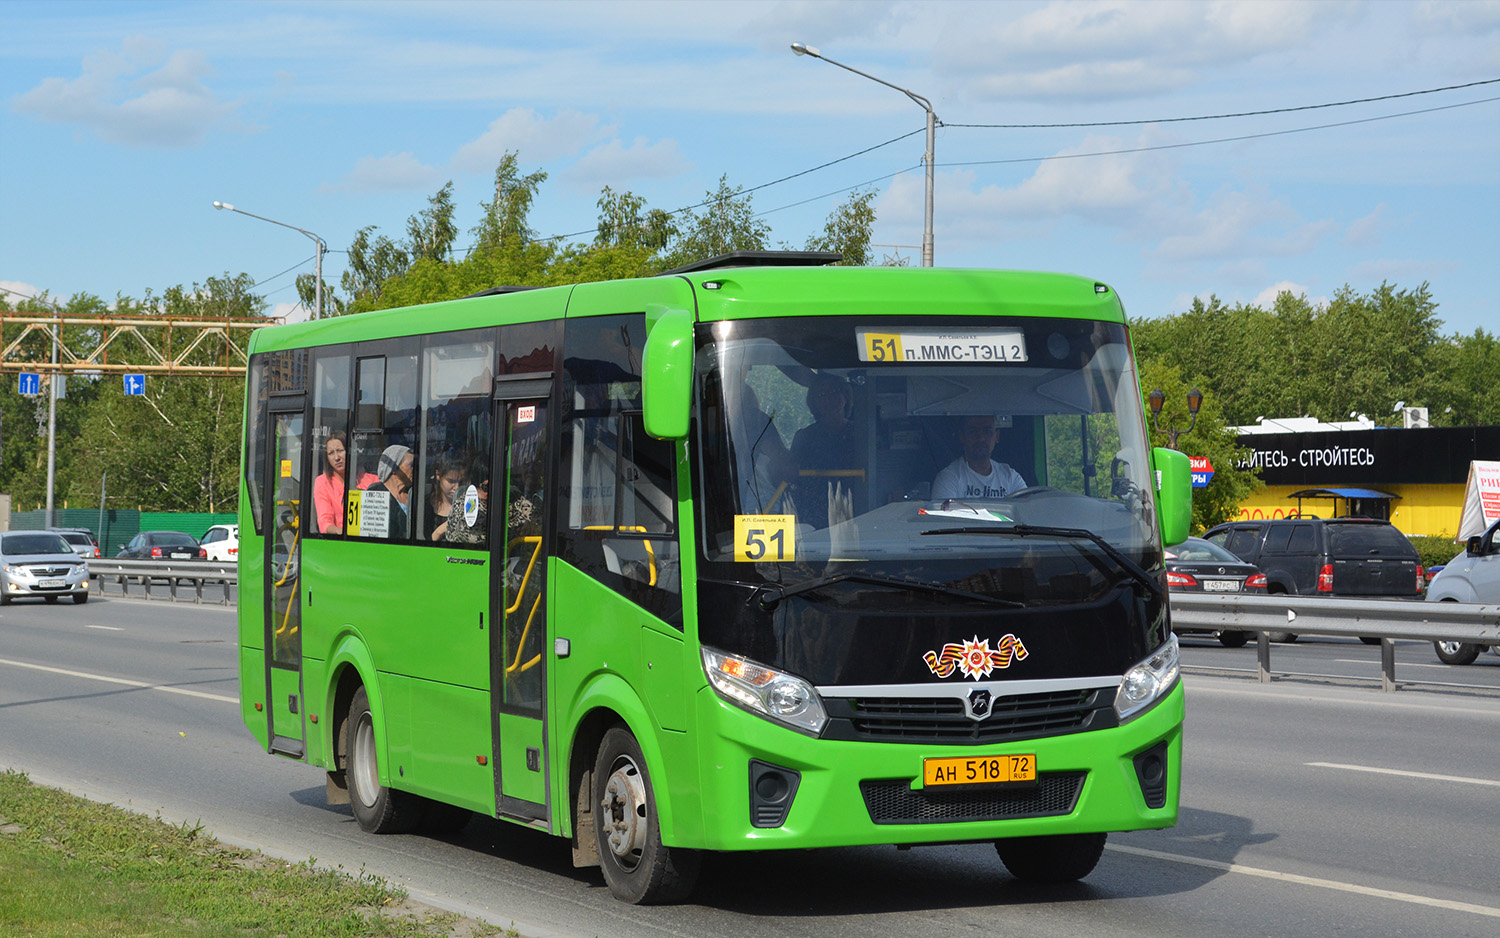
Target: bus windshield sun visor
[1153, 586]
[771, 594]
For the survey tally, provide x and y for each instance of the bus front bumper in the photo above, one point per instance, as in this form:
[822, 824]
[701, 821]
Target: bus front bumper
[828, 793]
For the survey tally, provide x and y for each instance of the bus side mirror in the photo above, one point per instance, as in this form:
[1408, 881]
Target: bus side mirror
[667, 375]
[1174, 494]
[1475, 546]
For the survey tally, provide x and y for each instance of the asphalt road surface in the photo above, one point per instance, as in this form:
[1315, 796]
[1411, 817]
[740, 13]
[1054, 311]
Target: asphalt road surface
[1314, 805]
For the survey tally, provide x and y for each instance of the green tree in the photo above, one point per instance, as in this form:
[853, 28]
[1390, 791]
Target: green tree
[430, 232]
[727, 223]
[504, 222]
[1219, 501]
[625, 222]
[848, 230]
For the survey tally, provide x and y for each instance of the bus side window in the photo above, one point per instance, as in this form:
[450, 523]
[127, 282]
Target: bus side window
[618, 517]
[382, 452]
[457, 376]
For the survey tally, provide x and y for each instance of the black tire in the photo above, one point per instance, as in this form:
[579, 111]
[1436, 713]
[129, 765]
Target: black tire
[1286, 638]
[1233, 639]
[638, 867]
[1456, 652]
[80, 598]
[50, 599]
[1370, 639]
[5, 598]
[1060, 858]
[378, 809]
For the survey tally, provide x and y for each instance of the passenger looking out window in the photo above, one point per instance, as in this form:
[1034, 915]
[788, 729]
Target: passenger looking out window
[328, 487]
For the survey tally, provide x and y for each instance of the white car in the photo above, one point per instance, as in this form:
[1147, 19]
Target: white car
[222, 542]
[1471, 577]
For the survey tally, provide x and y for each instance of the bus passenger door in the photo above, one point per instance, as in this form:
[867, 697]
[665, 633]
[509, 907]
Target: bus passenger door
[518, 589]
[283, 607]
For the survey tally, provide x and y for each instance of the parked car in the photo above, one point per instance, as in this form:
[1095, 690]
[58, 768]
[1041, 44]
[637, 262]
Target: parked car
[1350, 558]
[1471, 577]
[221, 542]
[162, 545]
[81, 540]
[1199, 566]
[41, 563]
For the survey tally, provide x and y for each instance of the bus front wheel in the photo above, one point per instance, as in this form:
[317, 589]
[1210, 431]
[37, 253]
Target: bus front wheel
[638, 867]
[378, 809]
[1059, 858]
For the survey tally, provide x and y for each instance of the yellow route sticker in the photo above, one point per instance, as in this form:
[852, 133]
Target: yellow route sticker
[771, 538]
[286, 468]
[352, 514]
[883, 347]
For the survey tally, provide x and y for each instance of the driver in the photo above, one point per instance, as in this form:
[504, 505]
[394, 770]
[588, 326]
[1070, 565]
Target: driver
[975, 474]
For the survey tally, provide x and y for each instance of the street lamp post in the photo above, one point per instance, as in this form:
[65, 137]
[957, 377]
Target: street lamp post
[801, 48]
[322, 247]
[1158, 397]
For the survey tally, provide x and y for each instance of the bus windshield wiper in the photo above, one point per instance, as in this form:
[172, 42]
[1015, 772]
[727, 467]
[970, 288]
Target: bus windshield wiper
[770, 594]
[1153, 586]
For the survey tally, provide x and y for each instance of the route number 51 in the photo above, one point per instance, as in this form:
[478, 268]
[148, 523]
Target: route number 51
[771, 538]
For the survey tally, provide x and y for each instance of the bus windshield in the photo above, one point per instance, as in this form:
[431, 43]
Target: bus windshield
[921, 448]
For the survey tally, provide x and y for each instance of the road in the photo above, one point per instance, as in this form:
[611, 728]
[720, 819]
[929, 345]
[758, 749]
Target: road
[1311, 806]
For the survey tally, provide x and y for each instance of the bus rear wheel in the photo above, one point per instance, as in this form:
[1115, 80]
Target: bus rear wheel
[1059, 858]
[637, 866]
[378, 809]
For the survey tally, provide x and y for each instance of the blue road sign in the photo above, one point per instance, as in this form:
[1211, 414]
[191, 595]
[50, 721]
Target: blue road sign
[135, 385]
[30, 384]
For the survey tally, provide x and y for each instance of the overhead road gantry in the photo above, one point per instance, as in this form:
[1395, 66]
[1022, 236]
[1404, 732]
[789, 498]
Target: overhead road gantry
[120, 344]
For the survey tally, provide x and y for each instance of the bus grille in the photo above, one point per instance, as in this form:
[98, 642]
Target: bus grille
[942, 719]
[894, 801]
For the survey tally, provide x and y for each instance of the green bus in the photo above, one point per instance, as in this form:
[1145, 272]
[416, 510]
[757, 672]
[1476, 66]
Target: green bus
[756, 554]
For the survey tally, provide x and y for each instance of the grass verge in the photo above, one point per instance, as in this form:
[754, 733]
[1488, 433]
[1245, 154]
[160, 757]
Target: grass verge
[71, 867]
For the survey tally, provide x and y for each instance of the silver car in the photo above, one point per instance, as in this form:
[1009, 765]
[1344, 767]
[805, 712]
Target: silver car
[41, 563]
[1471, 577]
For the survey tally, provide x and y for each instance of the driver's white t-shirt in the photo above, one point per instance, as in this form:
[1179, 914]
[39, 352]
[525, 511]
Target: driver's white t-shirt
[957, 480]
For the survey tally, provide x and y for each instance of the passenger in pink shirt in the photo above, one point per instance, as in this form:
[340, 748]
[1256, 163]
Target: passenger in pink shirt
[328, 487]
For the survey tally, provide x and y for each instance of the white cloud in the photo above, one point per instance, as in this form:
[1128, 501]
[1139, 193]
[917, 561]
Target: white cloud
[392, 172]
[121, 98]
[17, 291]
[1266, 299]
[614, 164]
[1120, 48]
[1366, 232]
[534, 138]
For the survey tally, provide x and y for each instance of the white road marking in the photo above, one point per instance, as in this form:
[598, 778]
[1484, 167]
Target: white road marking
[107, 628]
[1334, 884]
[1427, 775]
[119, 680]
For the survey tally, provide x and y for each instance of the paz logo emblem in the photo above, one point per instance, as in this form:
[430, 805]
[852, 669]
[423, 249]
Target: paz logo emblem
[974, 657]
[979, 704]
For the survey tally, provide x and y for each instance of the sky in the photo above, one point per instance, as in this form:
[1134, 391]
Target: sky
[122, 122]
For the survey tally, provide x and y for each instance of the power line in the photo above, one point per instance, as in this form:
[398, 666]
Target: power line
[1211, 117]
[1200, 143]
[764, 185]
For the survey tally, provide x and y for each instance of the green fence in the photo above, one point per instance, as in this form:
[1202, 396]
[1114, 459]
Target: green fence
[118, 525]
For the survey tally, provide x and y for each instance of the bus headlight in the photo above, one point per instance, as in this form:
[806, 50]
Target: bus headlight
[773, 694]
[1148, 682]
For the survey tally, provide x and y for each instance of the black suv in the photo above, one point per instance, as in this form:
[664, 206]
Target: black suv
[1352, 558]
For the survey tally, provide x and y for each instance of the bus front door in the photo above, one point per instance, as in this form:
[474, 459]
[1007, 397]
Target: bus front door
[283, 640]
[518, 664]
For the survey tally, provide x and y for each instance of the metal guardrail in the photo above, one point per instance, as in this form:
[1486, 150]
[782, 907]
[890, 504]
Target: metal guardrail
[1386, 620]
[171, 573]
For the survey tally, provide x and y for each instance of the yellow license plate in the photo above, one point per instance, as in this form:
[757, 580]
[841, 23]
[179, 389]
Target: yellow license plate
[978, 770]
